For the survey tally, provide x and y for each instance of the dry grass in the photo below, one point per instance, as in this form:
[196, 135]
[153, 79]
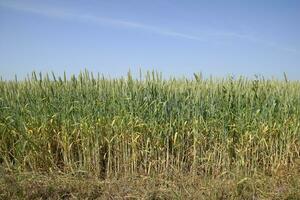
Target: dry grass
[228, 186]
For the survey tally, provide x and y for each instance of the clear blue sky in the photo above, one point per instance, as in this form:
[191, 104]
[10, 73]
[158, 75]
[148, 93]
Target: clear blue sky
[175, 37]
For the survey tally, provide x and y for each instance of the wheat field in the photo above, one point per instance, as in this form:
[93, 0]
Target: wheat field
[150, 125]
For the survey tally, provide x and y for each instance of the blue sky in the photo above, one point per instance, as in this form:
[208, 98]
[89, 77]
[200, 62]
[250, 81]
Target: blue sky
[174, 37]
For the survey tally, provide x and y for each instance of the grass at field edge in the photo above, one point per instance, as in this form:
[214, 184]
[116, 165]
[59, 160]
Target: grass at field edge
[31, 185]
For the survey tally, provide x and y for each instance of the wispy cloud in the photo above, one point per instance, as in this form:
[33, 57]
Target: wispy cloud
[68, 15]
[251, 38]
[65, 15]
